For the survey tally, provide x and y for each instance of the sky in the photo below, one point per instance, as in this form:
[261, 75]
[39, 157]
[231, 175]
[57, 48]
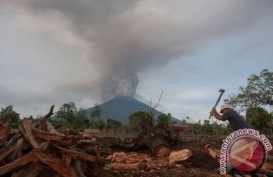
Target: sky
[88, 52]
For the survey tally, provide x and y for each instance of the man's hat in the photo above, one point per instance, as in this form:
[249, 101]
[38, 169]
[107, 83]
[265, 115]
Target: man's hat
[225, 106]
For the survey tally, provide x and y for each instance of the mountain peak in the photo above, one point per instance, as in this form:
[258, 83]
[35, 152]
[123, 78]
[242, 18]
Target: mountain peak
[120, 108]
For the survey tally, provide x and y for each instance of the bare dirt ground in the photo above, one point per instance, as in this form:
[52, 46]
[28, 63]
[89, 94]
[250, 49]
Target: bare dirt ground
[200, 164]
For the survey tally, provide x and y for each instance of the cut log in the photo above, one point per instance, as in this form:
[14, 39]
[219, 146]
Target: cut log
[128, 158]
[4, 152]
[181, 155]
[81, 155]
[19, 146]
[76, 164]
[66, 158]
[25, 129]
[214, 153]
[266, 172]
[156, 140]
[267, 166]
[119, 166]
[4, 132]
[31, 170]
[56, 164]
[162, 151]
[50, 128]
[18, 163]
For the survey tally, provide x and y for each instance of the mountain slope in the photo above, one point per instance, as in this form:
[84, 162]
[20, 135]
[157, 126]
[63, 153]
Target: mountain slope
[120, 108]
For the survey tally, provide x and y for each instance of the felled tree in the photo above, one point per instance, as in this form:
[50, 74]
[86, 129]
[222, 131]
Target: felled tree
[155, 138]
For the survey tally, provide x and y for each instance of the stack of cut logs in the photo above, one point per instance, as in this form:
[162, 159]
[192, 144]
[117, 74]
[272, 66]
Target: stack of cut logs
[133, 161]
[39, 150]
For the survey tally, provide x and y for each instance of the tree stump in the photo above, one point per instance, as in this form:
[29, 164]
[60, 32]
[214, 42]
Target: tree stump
[156, 140]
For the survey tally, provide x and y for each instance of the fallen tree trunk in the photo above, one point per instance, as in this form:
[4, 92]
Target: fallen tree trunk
[156, 140]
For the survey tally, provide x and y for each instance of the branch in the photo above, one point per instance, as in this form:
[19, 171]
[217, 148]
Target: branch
[50, 113]
[153, 108]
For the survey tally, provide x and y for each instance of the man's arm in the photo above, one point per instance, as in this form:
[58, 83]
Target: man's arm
[216, 114]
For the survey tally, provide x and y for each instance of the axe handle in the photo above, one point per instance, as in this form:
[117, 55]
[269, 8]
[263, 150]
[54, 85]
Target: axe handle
[217, 101]
[220, 96]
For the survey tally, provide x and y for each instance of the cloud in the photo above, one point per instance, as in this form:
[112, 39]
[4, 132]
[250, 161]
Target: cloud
[123, 38]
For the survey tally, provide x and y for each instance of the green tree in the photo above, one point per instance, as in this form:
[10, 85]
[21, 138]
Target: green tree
[217, 129]
[96, 113]
[195, 128]
[99, 124]
[140, 120]
[96, 121]
[259, 119]
[207, 128]
[113, 125]
[184, 122]
[80, 121]
[67, 112]
[10, 116]
[257, 93]
[164, 120]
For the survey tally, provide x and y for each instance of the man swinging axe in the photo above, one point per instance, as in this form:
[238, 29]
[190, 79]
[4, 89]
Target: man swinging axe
[236, 121]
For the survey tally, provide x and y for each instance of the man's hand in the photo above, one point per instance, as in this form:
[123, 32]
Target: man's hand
[213, 111]
[215, 114]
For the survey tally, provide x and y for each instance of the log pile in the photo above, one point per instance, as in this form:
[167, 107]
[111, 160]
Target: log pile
[39, 150]
[135, 161]
[122, 160]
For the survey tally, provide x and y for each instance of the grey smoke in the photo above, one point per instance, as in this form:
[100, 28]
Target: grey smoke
[122, 38]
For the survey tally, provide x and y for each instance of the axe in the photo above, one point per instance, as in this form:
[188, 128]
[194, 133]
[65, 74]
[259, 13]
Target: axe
[221, 93]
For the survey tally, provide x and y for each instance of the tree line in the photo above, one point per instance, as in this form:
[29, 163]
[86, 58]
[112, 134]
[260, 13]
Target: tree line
[254, 100]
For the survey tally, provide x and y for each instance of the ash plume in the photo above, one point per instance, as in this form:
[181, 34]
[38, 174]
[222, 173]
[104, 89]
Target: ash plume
[122, 38]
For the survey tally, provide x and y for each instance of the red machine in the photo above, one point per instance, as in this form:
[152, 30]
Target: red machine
[178, 129]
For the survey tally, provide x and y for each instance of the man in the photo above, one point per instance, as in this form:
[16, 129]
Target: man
[236, 121]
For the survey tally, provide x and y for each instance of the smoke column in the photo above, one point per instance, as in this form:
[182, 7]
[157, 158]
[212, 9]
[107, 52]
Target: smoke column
[122, 38]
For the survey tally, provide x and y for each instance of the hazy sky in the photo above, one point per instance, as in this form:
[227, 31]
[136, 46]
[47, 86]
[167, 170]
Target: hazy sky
[87, 52]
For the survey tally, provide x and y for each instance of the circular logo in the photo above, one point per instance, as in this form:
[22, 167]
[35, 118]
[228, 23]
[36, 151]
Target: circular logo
[246, 153]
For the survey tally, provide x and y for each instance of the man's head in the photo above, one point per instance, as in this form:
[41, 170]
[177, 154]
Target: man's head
[224, 108]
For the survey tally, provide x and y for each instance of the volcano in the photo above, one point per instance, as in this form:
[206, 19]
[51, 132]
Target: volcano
[120, 108]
